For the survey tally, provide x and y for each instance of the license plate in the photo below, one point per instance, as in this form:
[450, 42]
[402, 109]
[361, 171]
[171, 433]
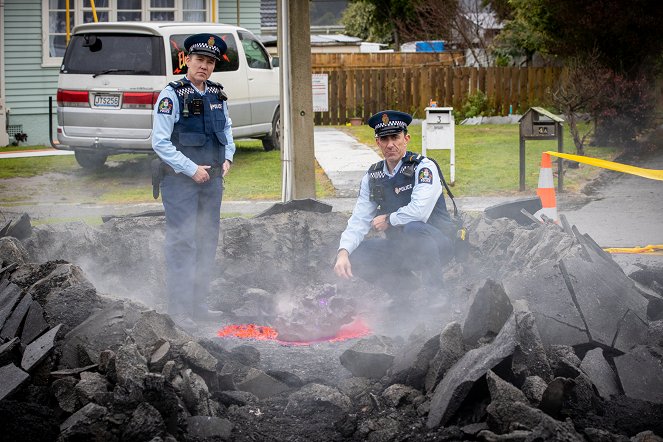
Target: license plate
[107, 100]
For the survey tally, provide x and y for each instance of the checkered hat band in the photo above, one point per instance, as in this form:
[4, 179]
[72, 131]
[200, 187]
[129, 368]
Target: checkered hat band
[204, 46]
[390, 124]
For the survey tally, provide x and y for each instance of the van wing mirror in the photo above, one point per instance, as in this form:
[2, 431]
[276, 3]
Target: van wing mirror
[275, 62]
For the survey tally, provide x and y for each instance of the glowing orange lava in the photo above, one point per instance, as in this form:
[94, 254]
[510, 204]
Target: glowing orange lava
[356, 329]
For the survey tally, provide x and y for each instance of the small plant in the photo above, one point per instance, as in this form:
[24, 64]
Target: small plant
[476, 105]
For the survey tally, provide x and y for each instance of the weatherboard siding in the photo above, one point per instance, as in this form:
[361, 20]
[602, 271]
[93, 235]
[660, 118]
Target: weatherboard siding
[249, 14]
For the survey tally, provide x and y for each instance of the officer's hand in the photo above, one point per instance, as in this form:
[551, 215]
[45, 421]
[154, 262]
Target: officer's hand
[201, 174]
[226, 167]
[380, 223]
[343, 268]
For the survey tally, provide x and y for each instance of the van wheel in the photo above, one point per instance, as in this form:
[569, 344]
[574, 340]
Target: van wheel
[90, 160]
[273, 141]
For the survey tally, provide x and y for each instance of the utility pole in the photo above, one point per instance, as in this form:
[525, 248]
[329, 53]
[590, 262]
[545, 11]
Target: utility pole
[297, 152]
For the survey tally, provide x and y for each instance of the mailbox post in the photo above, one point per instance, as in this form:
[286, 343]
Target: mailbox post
[539, 124]
[438, 132]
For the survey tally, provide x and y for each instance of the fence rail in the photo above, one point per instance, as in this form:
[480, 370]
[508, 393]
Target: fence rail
[362, 92]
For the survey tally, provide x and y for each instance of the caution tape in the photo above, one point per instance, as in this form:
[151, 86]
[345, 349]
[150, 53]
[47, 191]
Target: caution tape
[639, 171]
[651, 249]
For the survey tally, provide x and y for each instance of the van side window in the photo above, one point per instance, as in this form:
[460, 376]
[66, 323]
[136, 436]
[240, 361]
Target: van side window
[229, 61]
[256, 56]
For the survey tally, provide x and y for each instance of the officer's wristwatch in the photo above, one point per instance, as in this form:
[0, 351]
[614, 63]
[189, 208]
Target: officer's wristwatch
[388, 219]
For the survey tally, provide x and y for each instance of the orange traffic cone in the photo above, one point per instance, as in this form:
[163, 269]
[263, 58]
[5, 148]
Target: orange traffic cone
[546, 190]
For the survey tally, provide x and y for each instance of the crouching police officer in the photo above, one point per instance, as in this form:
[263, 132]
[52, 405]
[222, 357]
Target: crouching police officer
[192, 136]
[402, 197]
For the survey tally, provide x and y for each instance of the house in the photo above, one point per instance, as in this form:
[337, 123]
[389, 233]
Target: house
[33, 39]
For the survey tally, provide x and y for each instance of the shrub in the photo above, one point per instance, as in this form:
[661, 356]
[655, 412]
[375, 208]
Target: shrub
[476, 105]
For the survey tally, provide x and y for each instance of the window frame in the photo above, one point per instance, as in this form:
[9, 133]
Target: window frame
[77, 12]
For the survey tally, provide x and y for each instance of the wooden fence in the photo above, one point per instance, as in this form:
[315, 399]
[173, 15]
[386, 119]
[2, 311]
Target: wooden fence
[324, 62]
[363, 92]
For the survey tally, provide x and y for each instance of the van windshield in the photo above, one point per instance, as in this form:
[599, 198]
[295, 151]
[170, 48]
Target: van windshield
[229, 61]
[119, 54]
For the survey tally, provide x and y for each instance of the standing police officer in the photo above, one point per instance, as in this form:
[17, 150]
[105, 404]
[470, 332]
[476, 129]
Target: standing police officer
[192, 136]
[402, 197]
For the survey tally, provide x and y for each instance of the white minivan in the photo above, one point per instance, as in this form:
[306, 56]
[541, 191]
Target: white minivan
[112, 74]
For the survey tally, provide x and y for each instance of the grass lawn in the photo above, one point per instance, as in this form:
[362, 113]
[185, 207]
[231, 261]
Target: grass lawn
[487, 163]
[487, 158]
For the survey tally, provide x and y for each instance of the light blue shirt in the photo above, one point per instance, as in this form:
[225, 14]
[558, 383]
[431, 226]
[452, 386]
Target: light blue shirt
[163, 128]
[420, 207]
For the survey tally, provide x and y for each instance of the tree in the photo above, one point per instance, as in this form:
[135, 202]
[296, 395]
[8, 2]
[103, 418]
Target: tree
[358, 19]
[379, 16]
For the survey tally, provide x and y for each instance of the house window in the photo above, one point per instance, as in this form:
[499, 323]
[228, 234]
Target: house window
[80, 11]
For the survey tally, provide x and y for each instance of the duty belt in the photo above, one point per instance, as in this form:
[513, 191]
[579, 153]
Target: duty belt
[213, 171]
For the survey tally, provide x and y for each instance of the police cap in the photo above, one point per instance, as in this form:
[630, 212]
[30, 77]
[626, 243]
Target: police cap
[209, 45]
[389, 122]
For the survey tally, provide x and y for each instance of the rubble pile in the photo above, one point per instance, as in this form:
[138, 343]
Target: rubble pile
[540, 336]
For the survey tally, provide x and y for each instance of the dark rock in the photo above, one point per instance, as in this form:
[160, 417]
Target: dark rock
[34, 325]
[58, 301]
[104, 330]
[600, 373]
[451, 349]
[239, 398]
[313, 397]
[69, 372]
[59, 275]
[39, 349]
[91, 388]
[9, 296]
[533, 388]
[130, 365]
[305, 204]
[530, 357]
[501, 390]
[196, 355]
[396, 394]
[599, 435]
[655, 337]
[411, 362]
[12, 251]
[89, 423]
[369, 357]
[261, 384]
[646, 436]
[246, 355]
[554, 396]
[562, 360]
[13, 324]
[23, 421]
[355, 387]
[151, 329]
[290, 379]
[160, 356]
[161, 394]
[490, 308]
[204, 428]
[512, 210]
[145, 423]
[504, 417]
[196, 395]
[472, 430]
[7, 351]
[65, 394]
[19, 227]
[458, 381]
[12, 379]
[641, 374]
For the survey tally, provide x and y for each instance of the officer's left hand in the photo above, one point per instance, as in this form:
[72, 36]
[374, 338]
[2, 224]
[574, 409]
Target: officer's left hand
[380, 223]
[226, 167]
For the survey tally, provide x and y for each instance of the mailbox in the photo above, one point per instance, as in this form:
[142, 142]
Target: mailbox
[438, 132]
[540, 124]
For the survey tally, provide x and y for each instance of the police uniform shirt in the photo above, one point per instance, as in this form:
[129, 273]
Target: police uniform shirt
[163, 128]
[424, 196]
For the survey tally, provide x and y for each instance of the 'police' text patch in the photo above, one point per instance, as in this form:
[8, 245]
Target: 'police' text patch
[425, 176]
[165, 106]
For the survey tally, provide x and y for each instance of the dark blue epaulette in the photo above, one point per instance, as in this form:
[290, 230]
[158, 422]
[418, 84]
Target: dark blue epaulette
[177, 84]
[214, 84]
